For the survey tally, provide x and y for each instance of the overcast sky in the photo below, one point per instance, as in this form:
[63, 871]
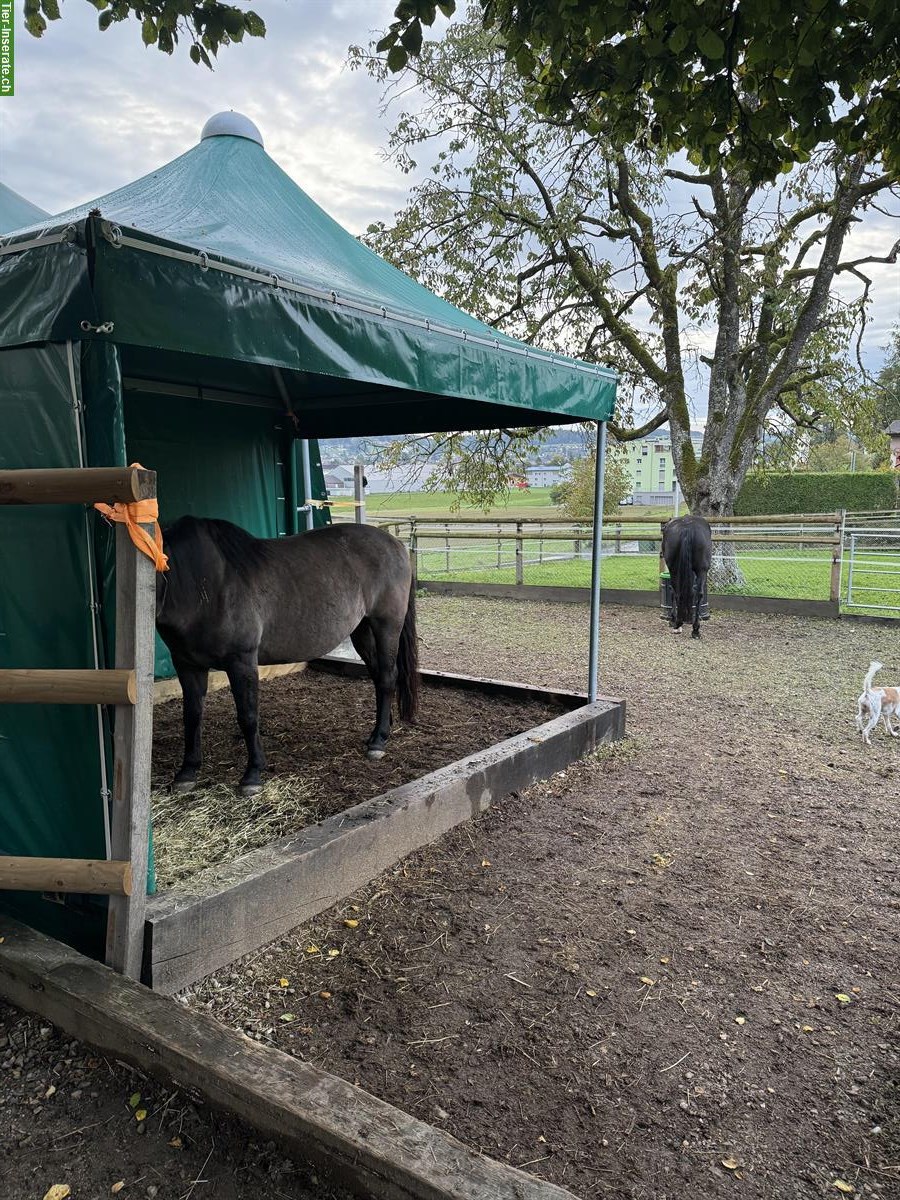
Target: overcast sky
[93, 111]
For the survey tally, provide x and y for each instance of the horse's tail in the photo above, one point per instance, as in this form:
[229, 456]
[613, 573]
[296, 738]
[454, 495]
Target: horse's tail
[408, 662]
[874, 668]
[683, 576]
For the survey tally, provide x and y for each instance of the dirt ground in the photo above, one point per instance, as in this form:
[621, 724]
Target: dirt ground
[669, 971]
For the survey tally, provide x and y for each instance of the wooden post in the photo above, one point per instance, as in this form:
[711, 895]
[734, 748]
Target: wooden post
[499, 545]
[414, 548]
[618, 537]
[447, 548]
[520, 565]
[541, 543]
[82, 876]
[836, 551]
[359, 494]
[662, 561]
[130, 822]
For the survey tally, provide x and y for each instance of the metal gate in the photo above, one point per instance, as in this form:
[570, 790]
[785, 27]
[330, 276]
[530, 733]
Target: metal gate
[872, 563]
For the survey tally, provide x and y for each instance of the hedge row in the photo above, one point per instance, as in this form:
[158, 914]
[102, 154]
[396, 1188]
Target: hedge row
[816, 491]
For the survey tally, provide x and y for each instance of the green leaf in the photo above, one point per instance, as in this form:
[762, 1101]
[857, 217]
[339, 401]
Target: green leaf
[165, 41]
[195, 53]
[524, 61]
[233, 19]
[254, 24]
[447, 7]
[148, 31]
[50, 9]
[397, 59]
[386, 42]
[710, 44]
[104, 20]
[412, 38]
[678, 39]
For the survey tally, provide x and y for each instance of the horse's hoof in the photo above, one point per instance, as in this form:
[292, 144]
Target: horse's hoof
[374, 755]
[182, 786]
[250, 789]
[676, 631]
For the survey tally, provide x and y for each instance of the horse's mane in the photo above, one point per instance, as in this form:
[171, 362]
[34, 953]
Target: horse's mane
[240, 549]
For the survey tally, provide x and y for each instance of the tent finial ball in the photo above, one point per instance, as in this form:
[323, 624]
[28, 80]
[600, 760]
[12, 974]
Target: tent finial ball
[231, 124]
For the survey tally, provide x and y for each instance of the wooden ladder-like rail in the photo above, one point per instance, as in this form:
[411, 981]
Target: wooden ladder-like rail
[129, 687]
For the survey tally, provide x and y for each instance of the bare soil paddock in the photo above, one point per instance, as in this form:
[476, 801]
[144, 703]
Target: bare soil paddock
[669, 971]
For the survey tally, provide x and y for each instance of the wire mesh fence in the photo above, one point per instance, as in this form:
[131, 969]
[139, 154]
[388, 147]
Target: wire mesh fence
[789, 557]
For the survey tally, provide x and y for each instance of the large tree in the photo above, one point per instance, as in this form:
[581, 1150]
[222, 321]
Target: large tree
[680, 278]
[755, 84]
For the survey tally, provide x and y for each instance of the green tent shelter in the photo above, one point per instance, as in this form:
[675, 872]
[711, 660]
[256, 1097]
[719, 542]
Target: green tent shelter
[16, 211]
[207, 320]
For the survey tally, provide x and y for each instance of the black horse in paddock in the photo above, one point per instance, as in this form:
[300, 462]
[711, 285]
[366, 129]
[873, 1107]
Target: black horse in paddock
[687, 550]
[236, 602]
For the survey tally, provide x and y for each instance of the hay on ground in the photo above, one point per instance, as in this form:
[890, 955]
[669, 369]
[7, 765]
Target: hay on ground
[211, 825]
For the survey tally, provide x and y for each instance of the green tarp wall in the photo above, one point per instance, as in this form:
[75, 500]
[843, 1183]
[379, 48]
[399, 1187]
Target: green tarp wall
[62, 405]
[50, 755]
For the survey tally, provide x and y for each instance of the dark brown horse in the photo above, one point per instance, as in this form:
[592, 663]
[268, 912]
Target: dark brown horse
[687, 550]
[236, 602]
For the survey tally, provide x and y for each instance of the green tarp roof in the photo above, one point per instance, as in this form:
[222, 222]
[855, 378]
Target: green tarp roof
[220, 255]
[16, 211]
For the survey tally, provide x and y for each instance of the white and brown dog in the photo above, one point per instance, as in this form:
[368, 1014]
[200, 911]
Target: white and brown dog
[877, 703]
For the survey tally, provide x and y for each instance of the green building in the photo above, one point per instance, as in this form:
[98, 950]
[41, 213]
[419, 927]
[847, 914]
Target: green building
[651, 467]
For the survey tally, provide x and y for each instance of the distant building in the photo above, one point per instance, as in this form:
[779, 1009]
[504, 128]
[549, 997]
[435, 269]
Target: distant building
[338, 479]
[547, 474]
[893, 431]
[651, 467]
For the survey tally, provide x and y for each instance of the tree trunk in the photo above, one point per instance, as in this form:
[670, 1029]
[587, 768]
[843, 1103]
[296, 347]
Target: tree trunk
[714, 497]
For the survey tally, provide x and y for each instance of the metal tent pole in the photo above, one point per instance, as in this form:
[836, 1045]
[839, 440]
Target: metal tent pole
[596, 549]
[307, 483]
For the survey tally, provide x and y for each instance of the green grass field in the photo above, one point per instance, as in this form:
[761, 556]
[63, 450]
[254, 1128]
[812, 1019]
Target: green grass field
[799, 578]
[533, 502]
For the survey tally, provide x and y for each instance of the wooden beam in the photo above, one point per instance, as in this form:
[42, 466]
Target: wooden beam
[27, 686]
[84, 876]
[130, 818]
[77, 485]
[360, 1141]
[170, 689]
[649, 535]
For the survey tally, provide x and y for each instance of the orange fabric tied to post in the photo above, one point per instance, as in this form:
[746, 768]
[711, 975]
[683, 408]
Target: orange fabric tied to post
[131, 515]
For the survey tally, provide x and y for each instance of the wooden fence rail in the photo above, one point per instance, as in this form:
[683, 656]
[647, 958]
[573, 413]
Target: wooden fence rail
[77, 485]
[826, 519]
[30, 686]
[654, 536]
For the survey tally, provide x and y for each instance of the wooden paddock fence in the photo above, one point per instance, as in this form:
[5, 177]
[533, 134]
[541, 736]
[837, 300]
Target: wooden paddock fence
[440, 545]
[128, 687]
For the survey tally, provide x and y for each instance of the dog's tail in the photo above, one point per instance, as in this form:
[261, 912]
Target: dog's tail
[874, 668]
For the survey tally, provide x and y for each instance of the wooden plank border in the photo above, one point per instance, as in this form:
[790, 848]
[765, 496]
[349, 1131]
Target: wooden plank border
[362, 1142]
[640, 599]
[170, 689]
[233, 909]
